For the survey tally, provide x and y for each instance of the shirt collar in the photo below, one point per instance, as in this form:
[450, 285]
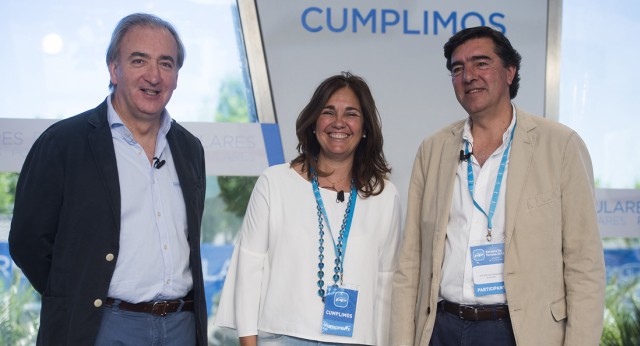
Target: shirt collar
[115, 121]
[467, 136]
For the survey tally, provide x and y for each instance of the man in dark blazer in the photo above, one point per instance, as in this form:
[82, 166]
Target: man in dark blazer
[108, 206]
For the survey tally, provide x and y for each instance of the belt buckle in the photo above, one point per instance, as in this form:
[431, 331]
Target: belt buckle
[163, 304]
[464, 308]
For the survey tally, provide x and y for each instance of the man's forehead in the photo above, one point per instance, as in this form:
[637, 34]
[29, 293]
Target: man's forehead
[474, 48]
[137, 41]
[149, 35]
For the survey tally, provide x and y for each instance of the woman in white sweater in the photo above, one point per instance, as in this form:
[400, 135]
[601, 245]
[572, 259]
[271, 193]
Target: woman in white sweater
[318, 244]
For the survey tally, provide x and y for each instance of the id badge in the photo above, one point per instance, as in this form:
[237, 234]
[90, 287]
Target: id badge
[339, 312]
[487, 262]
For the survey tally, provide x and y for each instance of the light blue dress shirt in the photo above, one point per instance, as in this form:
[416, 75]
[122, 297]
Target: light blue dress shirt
[153, 261]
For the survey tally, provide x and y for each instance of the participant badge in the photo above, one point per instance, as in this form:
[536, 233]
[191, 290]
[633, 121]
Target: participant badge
[339, 311]
[487, 262]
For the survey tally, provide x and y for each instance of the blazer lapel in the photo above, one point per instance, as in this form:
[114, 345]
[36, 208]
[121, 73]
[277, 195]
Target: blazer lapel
[181, 159]
[101, 144]
[448, 164]
[522, 148]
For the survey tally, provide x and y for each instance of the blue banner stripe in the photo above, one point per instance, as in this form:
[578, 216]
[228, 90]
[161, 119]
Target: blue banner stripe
[272, 143]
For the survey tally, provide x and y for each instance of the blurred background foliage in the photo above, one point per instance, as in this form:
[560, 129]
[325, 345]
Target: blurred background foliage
[622, 314]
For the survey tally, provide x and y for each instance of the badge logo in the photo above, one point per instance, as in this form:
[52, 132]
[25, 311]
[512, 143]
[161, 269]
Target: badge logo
[341, 299]
[478, 255]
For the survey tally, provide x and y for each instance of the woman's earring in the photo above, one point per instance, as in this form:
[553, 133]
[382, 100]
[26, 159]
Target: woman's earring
[364, 135]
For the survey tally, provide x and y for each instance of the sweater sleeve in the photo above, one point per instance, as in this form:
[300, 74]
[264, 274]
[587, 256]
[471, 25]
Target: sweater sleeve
[584, 271]
[39, 197]
[240, 301]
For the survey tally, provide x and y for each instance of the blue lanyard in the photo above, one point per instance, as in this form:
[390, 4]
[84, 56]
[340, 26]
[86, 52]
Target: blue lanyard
[496, 187]
[340, 252]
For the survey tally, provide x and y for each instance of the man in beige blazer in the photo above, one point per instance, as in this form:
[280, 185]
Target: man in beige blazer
[501, 243]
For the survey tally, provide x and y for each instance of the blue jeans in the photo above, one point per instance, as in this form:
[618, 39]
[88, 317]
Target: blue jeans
[124, 328]
[450, 330]
[265, 338]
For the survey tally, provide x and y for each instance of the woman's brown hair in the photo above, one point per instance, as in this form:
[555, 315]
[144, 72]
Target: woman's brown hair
[370, 167]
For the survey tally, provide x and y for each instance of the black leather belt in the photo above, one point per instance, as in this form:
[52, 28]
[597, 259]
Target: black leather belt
[159, 308]
[475, 312]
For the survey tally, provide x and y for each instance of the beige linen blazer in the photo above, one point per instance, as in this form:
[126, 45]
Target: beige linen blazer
[554, 265]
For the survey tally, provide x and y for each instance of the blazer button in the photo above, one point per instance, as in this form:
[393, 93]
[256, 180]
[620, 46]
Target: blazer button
[428, 310]
[109, 257]
[97, 303]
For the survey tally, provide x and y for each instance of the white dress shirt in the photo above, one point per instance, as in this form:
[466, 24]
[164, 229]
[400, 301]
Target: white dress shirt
[468, 226]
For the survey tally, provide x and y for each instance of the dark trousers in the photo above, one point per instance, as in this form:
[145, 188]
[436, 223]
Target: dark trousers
[450, 330]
